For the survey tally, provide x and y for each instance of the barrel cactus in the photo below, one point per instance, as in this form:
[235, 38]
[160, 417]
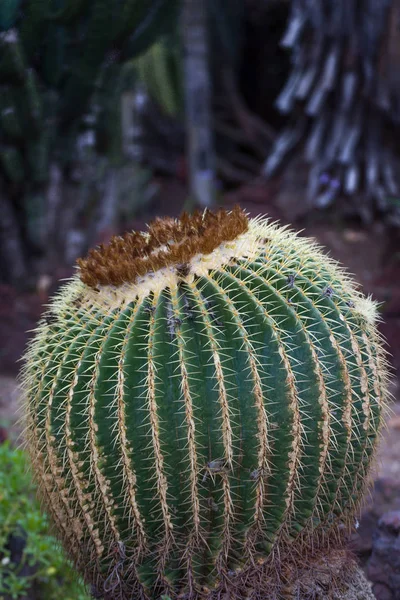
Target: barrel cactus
[203, 404]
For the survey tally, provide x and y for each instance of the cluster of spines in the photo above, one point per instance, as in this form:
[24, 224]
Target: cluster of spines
[168, 242]
[208, 423]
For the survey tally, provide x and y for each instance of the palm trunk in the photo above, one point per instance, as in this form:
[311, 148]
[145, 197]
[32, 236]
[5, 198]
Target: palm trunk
[200, 146]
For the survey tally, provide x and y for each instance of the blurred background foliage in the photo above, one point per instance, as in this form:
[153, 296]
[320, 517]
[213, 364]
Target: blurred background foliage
[32, 564]
[64, 66]
[99, 98]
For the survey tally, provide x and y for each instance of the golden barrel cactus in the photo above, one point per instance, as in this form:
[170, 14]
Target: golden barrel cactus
[203, 400]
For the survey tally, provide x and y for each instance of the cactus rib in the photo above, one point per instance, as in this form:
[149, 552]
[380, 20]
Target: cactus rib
[204, 401]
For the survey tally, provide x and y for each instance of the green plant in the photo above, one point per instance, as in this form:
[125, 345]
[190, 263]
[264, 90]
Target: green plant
[64, 65]
[24, 530]
[203, 404]
[160, 69]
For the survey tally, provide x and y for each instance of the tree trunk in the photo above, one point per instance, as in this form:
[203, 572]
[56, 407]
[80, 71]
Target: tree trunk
[200, 146]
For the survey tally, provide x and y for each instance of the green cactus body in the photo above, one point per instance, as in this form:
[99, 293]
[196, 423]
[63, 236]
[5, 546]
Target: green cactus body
[9, 121]
[131, 17]
[159, 69]
[33, 25]
[37, 155]
[8, 13]
[160, 19]
[69, 11]
[12, 163]
[54, 58]
[12, 62]
[201, 399]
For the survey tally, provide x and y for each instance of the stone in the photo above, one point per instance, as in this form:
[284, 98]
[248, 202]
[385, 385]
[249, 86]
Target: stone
[383, 567]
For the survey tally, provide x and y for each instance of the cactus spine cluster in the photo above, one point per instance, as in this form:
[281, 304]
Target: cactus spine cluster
[200, 398]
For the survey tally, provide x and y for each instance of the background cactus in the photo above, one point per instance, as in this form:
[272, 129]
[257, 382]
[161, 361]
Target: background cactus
[62, 64]
[203, 400]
